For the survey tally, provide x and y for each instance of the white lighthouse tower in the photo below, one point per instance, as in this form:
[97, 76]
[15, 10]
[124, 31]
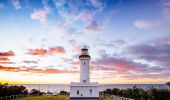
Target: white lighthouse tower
[84, 89]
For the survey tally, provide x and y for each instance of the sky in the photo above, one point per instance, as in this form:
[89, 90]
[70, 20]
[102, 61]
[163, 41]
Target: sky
[40, 41]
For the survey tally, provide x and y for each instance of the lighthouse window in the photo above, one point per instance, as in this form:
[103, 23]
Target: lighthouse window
[84, 63]
[77, 91]
[90, 91]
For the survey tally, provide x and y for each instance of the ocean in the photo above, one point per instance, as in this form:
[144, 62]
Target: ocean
[58, 87]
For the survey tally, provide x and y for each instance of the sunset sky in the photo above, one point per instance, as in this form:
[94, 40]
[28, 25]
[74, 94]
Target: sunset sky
[40, 40]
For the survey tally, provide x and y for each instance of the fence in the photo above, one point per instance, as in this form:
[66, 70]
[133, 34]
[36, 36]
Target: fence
[114, 97]
[13, 97]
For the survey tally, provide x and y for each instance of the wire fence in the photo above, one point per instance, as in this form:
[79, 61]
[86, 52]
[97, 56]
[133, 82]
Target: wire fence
[114, 97]
[13, 97]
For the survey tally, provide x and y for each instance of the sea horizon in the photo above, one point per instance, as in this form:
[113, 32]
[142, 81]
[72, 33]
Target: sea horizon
[65, 87]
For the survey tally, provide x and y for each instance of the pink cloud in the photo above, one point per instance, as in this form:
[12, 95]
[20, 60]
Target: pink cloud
[77, 48]
[37, 52]
[40, 15]
[4, 59]
[8, 53]
[117, 64]
[42, 71]
[42, 52]
[58, 50]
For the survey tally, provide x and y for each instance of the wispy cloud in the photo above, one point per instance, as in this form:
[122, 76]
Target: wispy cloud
[40, 71]
[93, 25]
[157, 54]
[33, 62]
[37, 52]
[7, 62]
[16, 4]
[146, 24]
[118, 64]
[56, 50]
[40, 15]
[42, 52]
[166, 13]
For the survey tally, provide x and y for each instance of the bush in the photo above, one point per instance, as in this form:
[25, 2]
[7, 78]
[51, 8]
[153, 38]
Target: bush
[7, 90]
[140, 94]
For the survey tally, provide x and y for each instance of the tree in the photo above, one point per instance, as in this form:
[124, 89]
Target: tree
[64, 93]
[7, 90]
[35, 92]
[168, 83]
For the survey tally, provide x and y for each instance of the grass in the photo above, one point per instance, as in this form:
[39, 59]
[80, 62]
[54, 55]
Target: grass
[59, 97]
[102, 97]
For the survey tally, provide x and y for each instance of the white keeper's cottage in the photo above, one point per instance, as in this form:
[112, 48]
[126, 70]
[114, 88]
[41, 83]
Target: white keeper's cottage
[84, 89]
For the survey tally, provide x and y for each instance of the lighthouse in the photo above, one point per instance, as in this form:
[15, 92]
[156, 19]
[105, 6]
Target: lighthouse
[84, 89]
[84, 65]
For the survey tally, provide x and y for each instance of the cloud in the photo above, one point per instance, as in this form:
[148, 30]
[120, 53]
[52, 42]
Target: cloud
[42, 52]
[31, 70]
[162, 40]
[7, 62]
[40, 15]
[146, 24]
[165, 3]
[107, 45]
[98, 4]
[67, 60]
[86, 17]
[107, 62]
[75, 63]
[56, 50]
[8, 53]
[4, 59]
[93, 25]
[33, 62]
[158, 54]
[77, 48]
[16, 4]
[37, 52]
[166, 13]
[119, 41]
[13, 69]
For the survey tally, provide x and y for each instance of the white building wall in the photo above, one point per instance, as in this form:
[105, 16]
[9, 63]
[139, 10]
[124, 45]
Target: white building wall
[84, 91]
[84, 70]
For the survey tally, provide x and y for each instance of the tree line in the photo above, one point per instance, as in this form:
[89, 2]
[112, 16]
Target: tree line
[8, 90]
[138, 93]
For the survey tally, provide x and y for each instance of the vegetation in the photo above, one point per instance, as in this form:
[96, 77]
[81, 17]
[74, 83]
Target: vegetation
[168, 83]
[7, 90]
[58, 97]
[140, 94]
[64, 93]
[36, 92]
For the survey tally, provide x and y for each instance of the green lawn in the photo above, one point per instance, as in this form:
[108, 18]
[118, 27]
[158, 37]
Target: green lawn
[59, 97]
